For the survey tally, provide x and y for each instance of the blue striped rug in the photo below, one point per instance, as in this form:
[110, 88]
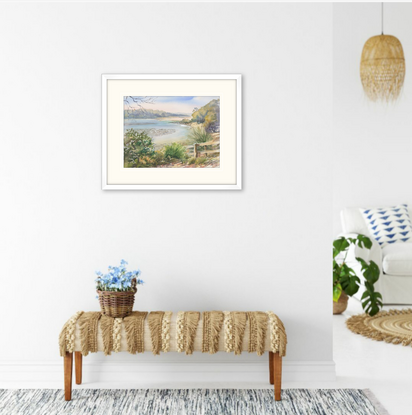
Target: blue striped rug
[189, 402]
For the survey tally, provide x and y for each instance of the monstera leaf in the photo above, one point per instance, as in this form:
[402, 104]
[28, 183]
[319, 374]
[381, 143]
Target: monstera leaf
[363, 242]
[370, 271]
[350, 284]
[371, 300]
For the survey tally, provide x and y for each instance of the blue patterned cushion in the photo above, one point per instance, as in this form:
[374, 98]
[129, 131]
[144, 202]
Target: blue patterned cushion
[389, 225]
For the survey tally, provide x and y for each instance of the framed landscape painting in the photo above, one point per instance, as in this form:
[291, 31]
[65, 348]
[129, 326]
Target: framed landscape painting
[171, 132]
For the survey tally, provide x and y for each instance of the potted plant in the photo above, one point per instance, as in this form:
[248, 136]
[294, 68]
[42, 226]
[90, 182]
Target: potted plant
[117, 289]
[345, 281]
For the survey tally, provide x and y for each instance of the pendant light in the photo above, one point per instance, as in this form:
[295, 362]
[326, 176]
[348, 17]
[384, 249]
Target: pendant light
[382, 67]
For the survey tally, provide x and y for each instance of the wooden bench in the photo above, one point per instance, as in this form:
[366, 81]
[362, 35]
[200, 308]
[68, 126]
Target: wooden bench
[93, 332]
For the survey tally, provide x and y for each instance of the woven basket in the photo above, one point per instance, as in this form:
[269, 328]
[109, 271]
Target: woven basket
[117, 304]
[342, 304]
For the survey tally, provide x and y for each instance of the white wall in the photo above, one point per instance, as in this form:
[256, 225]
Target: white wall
[372, 142]
[265, 247]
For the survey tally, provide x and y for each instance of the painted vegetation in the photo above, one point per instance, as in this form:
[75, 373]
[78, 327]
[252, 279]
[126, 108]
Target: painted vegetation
[171, 132]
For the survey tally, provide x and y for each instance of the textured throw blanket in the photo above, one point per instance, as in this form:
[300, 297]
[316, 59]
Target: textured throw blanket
[88, 330]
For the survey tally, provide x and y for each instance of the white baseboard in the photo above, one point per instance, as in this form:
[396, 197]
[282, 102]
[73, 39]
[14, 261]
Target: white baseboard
[106, 374]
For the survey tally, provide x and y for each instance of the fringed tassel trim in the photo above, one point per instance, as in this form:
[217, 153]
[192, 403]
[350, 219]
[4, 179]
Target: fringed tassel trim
[239, 319]
[206, 331]
[130, 326]
[191, 322]
[186, 326]
[88, 332]
[180, 328]
[134, 327]
[62, 339]
[84, 333]
[166, 331]
[212, 326]
[117, 334]
[92, 331]
[155, 326]
[252, 332]
[106, 325]
[216, 323]
[228, 323]
[139, 324]
[261, 320]
[278, 338]
[67, 335]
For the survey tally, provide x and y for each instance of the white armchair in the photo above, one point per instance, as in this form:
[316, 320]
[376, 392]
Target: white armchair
[394, 261]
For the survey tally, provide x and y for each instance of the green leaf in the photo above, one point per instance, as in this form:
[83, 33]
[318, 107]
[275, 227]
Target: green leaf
[363, 263]
[369, 286]
[336, 276]
[364, 241]
[372, 302]
[350, 284]
[337, 291]
[340, 245]
[371, 272]
[346, 271]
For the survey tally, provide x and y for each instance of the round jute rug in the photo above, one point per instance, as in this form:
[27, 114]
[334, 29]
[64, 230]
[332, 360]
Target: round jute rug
[393, 326]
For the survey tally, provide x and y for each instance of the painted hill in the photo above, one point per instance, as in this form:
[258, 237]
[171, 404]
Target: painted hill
[148, 113]
[209, 116]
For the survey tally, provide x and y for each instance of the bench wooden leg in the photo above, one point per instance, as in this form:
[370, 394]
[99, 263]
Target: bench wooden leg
[78, 363]
[277, 375]
[271, 378]
[68, 369]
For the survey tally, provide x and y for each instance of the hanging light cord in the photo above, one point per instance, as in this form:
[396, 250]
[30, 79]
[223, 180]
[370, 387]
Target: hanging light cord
[382, 18]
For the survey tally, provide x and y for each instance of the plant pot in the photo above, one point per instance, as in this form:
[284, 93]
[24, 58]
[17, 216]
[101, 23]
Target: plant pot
[342, 304]
[116, 304]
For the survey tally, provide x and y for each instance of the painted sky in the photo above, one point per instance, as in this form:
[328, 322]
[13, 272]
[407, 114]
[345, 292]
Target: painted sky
[181, 104]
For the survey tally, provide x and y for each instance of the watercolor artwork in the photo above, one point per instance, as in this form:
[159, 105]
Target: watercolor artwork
[171, 131]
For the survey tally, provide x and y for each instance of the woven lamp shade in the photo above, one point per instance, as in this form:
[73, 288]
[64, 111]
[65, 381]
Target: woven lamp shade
[382, 68]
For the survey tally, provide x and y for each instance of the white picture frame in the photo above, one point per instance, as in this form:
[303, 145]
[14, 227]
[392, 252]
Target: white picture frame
[115, 176]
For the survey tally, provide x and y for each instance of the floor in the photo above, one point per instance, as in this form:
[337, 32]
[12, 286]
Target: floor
[384, 368]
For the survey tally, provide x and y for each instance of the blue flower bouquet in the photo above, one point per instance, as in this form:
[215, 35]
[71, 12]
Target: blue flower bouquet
[117, 289]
